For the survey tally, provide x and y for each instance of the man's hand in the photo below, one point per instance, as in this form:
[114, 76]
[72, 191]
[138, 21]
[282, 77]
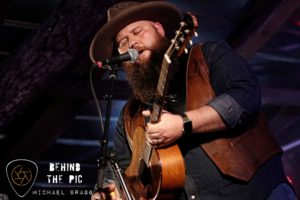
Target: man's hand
[166, 131]
[108, 193]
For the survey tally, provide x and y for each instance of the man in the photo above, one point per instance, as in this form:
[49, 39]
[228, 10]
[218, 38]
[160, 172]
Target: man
[212, 108]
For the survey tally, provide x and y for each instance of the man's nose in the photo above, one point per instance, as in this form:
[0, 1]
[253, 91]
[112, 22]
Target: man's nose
[132, 44]
[133, 40]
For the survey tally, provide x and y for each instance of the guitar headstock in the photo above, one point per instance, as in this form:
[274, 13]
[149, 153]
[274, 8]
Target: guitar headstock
[182, 37]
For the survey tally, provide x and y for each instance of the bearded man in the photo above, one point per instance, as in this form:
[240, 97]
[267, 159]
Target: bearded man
[211, 110]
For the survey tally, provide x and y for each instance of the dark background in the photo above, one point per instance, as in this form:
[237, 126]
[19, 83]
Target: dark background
[46, 109]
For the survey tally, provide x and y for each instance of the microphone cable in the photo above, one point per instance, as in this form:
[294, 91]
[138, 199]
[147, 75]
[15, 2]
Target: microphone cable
[95, 97]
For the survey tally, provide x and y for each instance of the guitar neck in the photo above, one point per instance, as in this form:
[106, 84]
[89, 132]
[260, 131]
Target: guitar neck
[161, 89]
[157, 106]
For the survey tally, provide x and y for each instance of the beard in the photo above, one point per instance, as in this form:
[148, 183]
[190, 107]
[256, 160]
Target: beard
[143, 76]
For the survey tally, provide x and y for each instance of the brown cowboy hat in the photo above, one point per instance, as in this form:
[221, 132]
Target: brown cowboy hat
[124, 13]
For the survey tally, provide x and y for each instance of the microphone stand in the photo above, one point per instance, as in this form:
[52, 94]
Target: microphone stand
[104, 157]
[102, 162]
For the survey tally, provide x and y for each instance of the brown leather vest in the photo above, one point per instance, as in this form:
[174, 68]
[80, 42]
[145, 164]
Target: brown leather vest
[238, 156]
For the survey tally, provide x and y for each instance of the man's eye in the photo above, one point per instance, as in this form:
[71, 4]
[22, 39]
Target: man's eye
[122, 43]
[137, 31]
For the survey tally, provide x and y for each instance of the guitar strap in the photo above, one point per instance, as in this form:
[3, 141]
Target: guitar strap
[238, 156]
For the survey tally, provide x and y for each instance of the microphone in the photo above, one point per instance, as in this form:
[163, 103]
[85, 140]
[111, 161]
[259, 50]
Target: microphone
[130, 55]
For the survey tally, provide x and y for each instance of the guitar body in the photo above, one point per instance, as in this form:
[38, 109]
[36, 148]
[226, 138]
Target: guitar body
[164, 172]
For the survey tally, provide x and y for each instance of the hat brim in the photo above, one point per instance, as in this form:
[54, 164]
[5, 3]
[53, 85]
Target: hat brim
[165, 13]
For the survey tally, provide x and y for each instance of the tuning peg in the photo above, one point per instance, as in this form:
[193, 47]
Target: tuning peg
[186, 50]
[191, 42]
[181, 39]
[167, 58]
[187, 31]
[196, 34]
[182, 23]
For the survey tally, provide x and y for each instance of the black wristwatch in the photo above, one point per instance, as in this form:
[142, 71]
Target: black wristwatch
[187, 125]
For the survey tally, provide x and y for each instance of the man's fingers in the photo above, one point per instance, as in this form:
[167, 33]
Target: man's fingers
[110, 188]
[105, 193]
[96, 196]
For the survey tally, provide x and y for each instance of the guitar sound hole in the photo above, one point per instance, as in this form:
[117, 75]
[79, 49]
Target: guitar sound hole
[144, 173]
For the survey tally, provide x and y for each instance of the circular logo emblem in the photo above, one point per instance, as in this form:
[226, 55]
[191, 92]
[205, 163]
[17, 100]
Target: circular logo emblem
[21, 175]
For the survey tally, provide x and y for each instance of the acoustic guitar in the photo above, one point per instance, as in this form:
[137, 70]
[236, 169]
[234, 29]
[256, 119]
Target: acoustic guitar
[154, 171]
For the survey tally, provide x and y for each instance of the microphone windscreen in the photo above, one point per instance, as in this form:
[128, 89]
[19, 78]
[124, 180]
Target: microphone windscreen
[134, 54]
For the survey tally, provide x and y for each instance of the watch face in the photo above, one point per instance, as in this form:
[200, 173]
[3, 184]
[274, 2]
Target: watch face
[187, 124]
[188, 128]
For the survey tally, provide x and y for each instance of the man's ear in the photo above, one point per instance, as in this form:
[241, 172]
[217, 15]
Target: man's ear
[160, 29]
